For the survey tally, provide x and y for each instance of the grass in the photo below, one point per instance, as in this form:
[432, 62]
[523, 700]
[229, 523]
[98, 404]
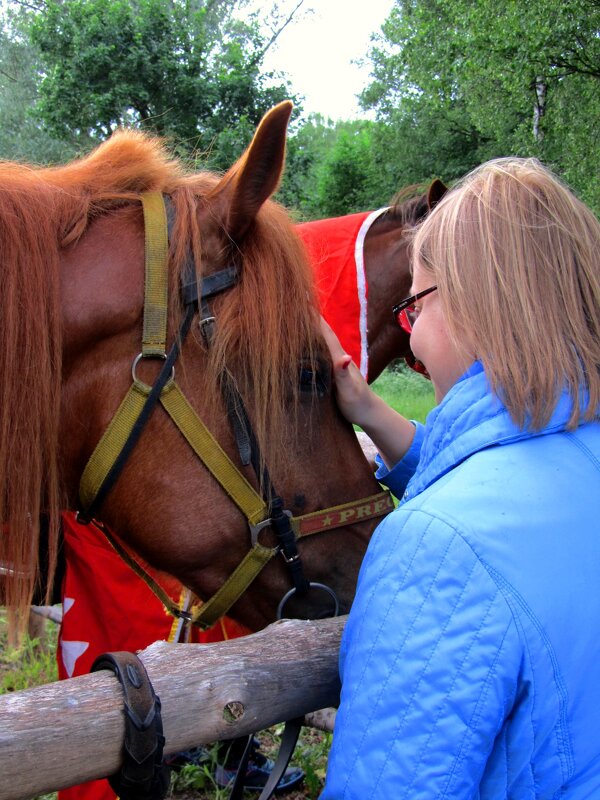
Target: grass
[31, 664]
[34, 662]
[405, 390]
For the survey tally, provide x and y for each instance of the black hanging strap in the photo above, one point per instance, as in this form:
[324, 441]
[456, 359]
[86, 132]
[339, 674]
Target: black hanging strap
[242, 429]
[286, 539]
[142, 775]
[250, 454]
[286, 749]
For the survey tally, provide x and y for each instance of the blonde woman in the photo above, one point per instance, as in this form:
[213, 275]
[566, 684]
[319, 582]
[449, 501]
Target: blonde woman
[470, 663]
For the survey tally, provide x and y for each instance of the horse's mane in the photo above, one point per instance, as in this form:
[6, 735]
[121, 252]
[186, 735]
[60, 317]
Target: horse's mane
[409, 204]
[265, 328]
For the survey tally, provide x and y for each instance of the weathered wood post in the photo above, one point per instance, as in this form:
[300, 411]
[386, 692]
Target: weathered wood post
[64, 733]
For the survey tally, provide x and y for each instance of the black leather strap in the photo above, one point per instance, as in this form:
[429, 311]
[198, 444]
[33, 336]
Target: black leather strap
[142, 775]
[211, 284]
[242, 428]
[286, 750]
[286, 539]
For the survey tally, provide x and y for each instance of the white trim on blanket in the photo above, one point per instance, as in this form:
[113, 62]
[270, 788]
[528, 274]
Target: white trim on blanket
[361, 287]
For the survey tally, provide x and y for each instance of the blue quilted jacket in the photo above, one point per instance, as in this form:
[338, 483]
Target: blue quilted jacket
[470, 662]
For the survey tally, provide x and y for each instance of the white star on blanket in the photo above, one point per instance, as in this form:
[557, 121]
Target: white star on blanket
[71, 650]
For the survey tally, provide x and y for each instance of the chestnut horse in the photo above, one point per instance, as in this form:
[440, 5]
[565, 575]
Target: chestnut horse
[71, 306]
[362, 266]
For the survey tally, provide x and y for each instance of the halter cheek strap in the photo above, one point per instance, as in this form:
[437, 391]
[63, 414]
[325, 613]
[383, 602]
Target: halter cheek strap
[113, 449]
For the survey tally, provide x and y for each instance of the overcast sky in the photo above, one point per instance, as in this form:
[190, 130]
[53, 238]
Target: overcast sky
[317, 53]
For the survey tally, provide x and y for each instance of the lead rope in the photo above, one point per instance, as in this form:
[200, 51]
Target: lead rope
[289, 739]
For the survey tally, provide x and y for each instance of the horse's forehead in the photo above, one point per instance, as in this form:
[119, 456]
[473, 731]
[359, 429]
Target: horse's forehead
[211, 227]
[101, 278]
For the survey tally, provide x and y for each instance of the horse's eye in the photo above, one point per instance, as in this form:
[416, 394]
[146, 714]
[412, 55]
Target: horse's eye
[313, 379]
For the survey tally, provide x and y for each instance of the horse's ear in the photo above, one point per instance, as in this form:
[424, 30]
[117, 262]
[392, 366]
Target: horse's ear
[436, 191]
[254, 178]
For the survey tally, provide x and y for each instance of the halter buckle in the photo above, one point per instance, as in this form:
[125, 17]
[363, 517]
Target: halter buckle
[291, 559]
[256, 529]
[206, 325]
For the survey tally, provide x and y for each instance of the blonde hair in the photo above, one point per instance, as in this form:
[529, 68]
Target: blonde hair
[516, 258]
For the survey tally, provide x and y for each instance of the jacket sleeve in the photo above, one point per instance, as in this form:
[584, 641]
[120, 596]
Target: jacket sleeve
[429, 664]
[397, 478]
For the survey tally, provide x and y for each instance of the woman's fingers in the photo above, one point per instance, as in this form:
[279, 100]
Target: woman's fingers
[341, 360]
[339, 357]
[337, 352]
[352, 391]
[390, 432]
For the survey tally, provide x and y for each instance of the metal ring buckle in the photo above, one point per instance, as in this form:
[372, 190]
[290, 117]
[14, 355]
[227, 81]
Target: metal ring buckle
[311, 585]
[137, 360]
[256, 529]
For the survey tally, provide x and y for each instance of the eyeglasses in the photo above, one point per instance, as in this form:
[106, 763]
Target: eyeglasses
[405, 312]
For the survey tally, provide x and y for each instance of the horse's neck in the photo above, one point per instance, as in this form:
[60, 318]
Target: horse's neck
[387, 267]
[102, 279]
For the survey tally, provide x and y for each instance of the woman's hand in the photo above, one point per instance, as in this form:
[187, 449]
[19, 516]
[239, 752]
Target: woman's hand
[354, 395]
[391, 433]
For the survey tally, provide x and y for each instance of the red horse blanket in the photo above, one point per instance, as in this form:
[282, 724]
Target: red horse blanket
[107, 607]
[336, 251]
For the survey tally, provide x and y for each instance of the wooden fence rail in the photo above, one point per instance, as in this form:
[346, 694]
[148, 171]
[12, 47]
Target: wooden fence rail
[57, 735]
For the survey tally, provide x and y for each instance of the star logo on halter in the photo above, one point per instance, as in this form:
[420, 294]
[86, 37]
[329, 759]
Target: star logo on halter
[347, 514]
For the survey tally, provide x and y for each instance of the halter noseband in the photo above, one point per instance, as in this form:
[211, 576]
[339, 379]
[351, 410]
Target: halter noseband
[109, 457]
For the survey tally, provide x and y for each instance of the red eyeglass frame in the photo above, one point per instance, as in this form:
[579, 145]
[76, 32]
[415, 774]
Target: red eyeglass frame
[400, 311]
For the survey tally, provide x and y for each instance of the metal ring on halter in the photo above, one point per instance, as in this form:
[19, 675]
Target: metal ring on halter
[311, 585]
[137, 360]
[266, 523]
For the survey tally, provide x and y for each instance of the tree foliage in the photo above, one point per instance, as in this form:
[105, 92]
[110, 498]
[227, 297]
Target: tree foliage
[186, 69]
[22, 138]
[455, 82]
[332, 169]
[525, 81]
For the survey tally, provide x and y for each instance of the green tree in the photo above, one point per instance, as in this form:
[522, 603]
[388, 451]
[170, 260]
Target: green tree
[332, 169]
[308, 144]
[347, 175]
[22, 137]
[187, 69]
[524, 81]
[422, 140]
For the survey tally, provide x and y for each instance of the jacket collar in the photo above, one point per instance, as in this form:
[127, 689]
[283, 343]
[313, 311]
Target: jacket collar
[471, 418]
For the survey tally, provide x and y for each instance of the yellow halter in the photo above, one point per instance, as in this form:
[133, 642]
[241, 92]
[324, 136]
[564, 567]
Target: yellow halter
[105, 462]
